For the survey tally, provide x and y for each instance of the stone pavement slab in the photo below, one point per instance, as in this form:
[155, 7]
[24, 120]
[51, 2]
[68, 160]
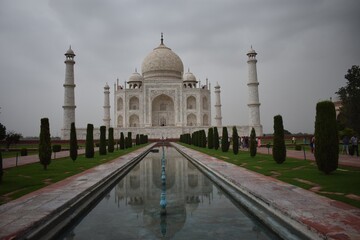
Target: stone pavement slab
[325, 217]
[21, 215]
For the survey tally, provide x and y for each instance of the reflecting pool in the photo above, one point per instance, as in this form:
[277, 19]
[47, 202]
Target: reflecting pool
[196, 208]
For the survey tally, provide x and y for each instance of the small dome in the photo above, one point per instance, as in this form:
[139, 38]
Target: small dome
[106, 86]
[162, 62]
[70, 52]
[135, 77]
[189, 77]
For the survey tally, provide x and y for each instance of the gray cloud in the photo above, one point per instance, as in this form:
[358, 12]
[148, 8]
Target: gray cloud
[304, 50]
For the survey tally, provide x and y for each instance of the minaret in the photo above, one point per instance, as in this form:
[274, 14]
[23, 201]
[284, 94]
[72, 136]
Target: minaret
[218, 117]
[107, 106]
[253, 103]
[69, 96]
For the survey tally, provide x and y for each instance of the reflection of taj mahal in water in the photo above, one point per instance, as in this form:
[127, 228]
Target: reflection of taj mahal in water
[161, 101]
[186, 189]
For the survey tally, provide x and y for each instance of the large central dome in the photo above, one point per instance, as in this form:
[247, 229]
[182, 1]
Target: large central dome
[162, 62]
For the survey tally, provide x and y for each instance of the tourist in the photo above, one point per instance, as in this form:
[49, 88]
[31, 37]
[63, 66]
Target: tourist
[345, 145]
[354, 143]
[312, 144]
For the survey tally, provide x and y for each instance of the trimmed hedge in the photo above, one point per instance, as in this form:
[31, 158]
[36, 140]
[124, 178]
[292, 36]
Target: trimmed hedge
[253, 143]
[102, 146]
[73, 143]
[279, 148]
[326, 137]
[45, 143]
[89, 148]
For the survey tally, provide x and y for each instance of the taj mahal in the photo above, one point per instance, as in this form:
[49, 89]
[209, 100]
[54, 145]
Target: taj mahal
[162, 101]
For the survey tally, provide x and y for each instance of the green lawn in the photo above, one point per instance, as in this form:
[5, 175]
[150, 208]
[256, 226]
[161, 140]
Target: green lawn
[304, 174]
[18, 181]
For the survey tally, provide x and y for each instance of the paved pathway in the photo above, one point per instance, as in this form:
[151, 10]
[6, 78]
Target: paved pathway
[344, 160]
[329, 218]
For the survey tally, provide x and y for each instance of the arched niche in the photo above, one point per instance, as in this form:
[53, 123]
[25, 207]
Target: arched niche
[191, 102]
[163, 112]
[134, 103]
[191, 120]
[120, 121]
[134, 121]
[120, 104]
[205, 103]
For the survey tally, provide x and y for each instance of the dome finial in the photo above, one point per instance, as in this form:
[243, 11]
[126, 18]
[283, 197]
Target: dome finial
[162, 39]
[136, 70]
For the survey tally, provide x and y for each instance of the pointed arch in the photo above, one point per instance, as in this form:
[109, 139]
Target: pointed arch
[120, 104]
[191, 103]
[134, 103]
[134, 121]
[191, 120]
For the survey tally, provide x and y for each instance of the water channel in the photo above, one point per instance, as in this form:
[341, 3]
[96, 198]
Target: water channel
[196, 207]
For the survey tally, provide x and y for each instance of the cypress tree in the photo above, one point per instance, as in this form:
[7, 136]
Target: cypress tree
[45, 143]
[73, 143]
[211, 138]
[137, 139]
[203, 133]
[1, 167]
[326, 137]
[279, 149]
[216, 138]
[122, 141]
[129, 140]
[225, 140]
[253, 143]
[235, 139]
[111, 142]
[89, 146]
[102, 147]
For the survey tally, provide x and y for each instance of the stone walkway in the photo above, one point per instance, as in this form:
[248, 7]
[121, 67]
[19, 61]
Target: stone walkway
[327, 218]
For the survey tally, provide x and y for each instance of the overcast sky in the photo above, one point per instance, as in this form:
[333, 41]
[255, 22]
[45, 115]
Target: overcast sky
[304, 50]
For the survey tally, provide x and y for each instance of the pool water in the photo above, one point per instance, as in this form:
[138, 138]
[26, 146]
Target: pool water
[196, 207]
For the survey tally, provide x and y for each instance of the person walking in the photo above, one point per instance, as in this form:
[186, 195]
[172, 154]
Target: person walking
[346, 145]
[354, 142]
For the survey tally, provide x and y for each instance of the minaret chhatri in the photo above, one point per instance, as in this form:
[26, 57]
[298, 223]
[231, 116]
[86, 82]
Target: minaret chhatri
[69, 96]
[218, 117]
[253, 103]
[106, 106]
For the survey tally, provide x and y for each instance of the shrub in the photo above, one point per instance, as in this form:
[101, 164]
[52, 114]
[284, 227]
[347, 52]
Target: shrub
[102, 147]
[89, 148]
[253, 143]
[122, 141]
[56, 148]
[216, 138]
[326, 137]
[111, 140]
[137, 139]
[211, 138]
[235, 138]
[73, 143]
[44, 143]
[298, 147]
[23, 152]
[279, 149]
[129, 140]
[225, 140]
[1, 167]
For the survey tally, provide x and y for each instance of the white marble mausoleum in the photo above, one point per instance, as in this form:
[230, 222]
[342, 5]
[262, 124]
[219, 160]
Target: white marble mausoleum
[161, 101]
